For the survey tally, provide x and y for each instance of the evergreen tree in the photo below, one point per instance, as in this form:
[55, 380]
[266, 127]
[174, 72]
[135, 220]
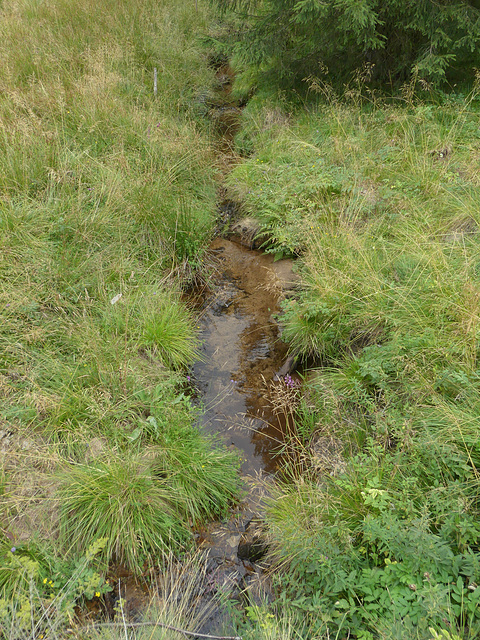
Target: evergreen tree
[435, 39]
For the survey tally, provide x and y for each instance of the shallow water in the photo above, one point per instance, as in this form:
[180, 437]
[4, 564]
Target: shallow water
[241, 351]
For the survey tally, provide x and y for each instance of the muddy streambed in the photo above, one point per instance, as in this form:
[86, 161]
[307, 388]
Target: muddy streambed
[241, 352]
[241, 355]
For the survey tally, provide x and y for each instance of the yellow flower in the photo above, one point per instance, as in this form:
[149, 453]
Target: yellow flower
[97, 593]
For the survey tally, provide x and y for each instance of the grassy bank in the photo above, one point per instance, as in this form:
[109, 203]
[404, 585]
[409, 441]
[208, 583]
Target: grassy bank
[380, 202]
[107, 204]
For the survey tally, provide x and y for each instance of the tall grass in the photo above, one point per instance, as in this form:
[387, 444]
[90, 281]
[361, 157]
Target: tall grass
[121, 500]
[380, 204]
[102, 184]
[107, 200]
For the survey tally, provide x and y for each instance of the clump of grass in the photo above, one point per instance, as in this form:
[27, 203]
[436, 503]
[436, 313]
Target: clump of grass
[169, 330]
[143, 503]
[123, 500]
[202, 476]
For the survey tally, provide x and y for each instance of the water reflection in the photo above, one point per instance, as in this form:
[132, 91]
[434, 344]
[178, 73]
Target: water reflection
[241, 351]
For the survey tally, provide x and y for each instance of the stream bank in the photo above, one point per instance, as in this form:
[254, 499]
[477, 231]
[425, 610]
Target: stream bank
[241, 353]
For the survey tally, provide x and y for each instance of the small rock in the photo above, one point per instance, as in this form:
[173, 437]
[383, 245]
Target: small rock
[287, 279]
[288, 367]
[252, 545]
[245, 232]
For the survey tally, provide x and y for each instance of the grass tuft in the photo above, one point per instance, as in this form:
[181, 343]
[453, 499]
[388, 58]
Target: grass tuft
[120, 499]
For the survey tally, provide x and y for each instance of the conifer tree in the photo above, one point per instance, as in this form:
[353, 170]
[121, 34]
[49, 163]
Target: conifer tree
[437, 40]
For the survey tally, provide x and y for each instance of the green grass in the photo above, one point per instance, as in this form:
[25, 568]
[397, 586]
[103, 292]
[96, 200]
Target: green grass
[107, 206]
[169, 330]
[144, 497]
[122, 500]
[101, 187]
[379, 201]
[142, 503]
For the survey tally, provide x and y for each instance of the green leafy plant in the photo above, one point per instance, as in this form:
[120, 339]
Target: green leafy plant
[39, 589]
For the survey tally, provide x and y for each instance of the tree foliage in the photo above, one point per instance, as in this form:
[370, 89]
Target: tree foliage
[296, 38]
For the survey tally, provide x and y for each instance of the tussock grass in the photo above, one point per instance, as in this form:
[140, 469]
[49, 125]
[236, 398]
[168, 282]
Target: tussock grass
[107, 205]
[379, 202]
[120, 499]
[144, 503]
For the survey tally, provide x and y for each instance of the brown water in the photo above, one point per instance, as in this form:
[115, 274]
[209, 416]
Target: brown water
[241, 351]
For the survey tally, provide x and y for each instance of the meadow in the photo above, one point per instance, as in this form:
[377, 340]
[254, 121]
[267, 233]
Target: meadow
[108, 201]
[107, 206]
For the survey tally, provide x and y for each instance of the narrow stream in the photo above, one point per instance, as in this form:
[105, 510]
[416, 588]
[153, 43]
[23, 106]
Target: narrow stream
[242, 351]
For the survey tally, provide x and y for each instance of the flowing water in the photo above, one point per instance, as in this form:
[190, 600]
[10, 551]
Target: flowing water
[241, 352]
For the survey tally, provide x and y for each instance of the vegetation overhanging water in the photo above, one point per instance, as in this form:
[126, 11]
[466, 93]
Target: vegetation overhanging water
[108, 203]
